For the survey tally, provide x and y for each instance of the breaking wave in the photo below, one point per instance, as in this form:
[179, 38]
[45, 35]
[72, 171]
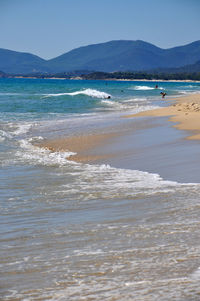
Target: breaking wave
[87, 92]
[128, 105]
[143, 88]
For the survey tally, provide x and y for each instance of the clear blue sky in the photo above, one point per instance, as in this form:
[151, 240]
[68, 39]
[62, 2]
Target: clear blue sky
[49, 28]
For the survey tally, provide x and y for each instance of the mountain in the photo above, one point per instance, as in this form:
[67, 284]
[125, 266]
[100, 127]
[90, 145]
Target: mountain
[190, 68]
[20, 62]
[2, 74]
[126, 55]
[108, 57]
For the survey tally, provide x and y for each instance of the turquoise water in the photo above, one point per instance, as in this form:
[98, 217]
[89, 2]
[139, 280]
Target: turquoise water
[72, 231]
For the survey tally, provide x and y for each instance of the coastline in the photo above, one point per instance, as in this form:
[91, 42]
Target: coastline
[145, 143]
[185, 113]
[158, 80]
[130, 147]
[111, 79]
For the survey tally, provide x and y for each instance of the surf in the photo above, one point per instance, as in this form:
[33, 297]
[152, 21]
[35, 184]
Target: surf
[88, 92]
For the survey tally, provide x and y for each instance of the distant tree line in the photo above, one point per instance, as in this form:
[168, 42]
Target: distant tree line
[88, 75]
[143, 75]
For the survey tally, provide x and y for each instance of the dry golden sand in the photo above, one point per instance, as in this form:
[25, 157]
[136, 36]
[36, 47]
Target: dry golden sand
[83, 146]
[185, 112]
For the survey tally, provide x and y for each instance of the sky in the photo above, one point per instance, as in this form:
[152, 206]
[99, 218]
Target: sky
[49, 28]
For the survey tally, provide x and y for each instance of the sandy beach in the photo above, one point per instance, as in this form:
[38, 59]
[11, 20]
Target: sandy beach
[145, 143]
[185, 113]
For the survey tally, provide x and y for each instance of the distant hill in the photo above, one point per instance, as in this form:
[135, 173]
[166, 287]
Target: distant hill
[126, 55]
[19, 62]
[107, 57]
[2, 74]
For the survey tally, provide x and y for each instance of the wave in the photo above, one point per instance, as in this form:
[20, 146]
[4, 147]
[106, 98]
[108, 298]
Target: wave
[4, 135]
[128, 105]
[87, 92]
[188, 92]
[10, 94]
[22, 129]
[143, 88]
[12, 130]
[91, 181]
[136, 100]
[36, 155]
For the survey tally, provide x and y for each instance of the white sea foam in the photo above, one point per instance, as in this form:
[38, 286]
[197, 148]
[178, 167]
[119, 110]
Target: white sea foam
[36, 139]
[109, 102]
[188, 92]
[4, 135]
[36, 155]
[125, 181]
[94, 181]
[12, 130]
[145, 108]
[22, 129]
[137, 100]
[114, 104]
[143, 88]
[132, 105]
[88, 92]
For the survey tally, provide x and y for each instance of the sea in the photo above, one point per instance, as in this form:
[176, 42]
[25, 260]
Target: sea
[113, 230]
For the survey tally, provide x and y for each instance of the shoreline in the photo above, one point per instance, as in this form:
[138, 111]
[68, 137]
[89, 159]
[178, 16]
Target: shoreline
[159, 80]
[146, 144]
[185, 113]
[109, 79]
[84, 146]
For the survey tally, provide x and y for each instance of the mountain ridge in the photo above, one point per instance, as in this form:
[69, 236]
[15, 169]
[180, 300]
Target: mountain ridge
[111, 56]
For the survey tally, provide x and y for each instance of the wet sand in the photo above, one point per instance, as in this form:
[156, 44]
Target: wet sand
[145, 143]
[185, 113]
[85, 146]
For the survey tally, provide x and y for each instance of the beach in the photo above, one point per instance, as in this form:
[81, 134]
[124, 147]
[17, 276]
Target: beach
[185, 113]
[116, 147]
[81, 146]
[100, 197]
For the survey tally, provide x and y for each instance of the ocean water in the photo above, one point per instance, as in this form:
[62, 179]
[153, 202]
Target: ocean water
[74, 231]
